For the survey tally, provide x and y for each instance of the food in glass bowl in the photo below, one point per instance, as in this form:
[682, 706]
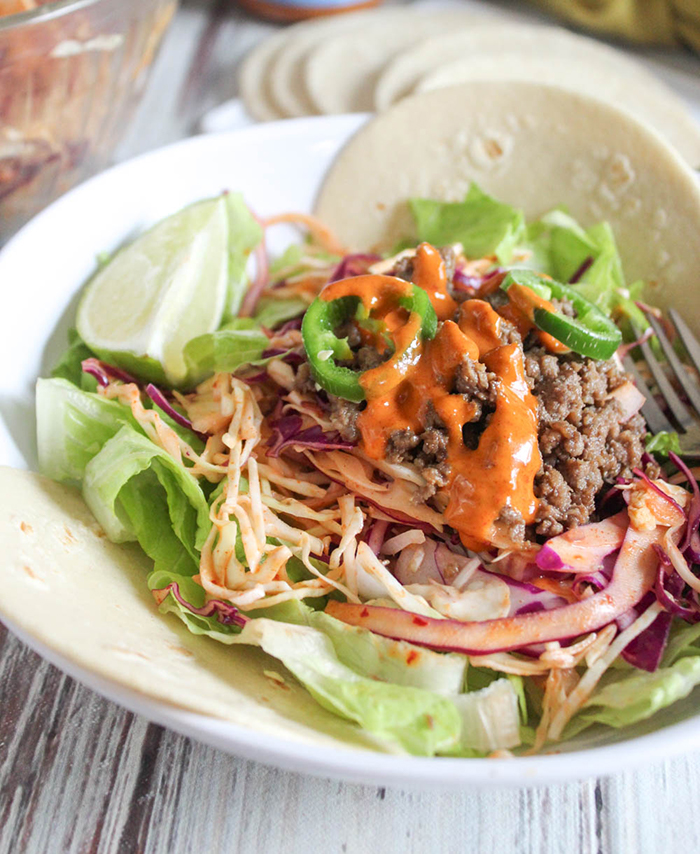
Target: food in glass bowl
[71, 75]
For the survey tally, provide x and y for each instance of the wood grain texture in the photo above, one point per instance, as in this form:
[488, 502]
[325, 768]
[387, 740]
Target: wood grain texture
[80, 775]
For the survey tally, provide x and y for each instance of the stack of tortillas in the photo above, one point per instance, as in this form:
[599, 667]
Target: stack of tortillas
[366, 61]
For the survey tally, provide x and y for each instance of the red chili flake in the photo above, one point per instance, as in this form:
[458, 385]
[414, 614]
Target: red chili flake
[419, 621]
[364, 612]
[412, 657]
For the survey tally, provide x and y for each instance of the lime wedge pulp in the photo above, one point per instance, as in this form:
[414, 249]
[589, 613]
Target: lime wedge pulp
[157, 293]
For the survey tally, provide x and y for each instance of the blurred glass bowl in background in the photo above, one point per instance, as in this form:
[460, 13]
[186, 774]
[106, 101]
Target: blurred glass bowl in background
[71, 75]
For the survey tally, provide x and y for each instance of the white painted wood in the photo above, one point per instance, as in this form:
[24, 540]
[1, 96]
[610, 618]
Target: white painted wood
[78, 774]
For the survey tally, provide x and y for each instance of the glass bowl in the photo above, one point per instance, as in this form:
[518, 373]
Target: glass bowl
[71, 75]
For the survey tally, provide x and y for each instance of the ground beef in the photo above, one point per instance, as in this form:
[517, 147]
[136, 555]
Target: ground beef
[510, 525]
[474, 380]
[303, 381]
[583, 445]
[427, 451]
[343, 415]
[400, 445]
[364, 356]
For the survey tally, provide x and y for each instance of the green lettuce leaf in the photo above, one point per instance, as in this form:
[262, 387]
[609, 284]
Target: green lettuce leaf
[388, 687]
[73, 426]
[392, 661]
[481, 224]
[559, 245]
[683, 640]
[237, 343]
[289, 263]
[623, 698]
[137, 491]
[245, 234]
[272, 312]
[420, 722]
[69, 366]
[663, 443]
[490, 718]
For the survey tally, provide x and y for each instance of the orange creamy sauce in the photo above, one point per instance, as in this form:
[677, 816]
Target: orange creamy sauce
[521, 311]
[500, 472]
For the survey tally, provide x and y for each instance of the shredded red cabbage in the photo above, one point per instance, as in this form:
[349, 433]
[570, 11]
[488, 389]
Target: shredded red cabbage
[647, 649]
[291, 357]
[472, 284]
[105, 373]
[289, 325]
[376, 534]
[162, 402]
[225, 613]
[527, 598]
[669, 587]
[582, 270]
[624, 349]
[254, 379]
[691, 540]
[356, 264]
[287, 431]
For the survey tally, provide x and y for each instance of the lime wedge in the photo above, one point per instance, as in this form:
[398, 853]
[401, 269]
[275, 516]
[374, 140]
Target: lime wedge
[159, 292]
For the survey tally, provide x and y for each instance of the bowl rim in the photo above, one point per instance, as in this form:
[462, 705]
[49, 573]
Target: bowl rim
[342, 762]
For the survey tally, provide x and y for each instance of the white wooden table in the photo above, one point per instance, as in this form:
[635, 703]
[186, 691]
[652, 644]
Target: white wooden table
[79, 774]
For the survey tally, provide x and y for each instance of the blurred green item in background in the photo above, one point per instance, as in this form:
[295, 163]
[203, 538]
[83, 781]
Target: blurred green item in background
[664, 22]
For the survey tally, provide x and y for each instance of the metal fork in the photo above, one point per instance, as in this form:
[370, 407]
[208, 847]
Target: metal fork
[683, 419]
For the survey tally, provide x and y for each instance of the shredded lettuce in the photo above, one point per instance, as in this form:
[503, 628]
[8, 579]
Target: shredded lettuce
[421, 722]
[562, 248]
[72, 426]
[273, 312]
[245, 234]
[289, 263]
[623, 698]
[663, 443]
[137, 491]
[481, 224]
[392, 661]
[239, 342]
[69, 366]
[490, 718]
[625, 695]
[317, 652]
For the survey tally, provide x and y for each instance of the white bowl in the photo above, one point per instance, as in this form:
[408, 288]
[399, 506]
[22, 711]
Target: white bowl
[278, 167]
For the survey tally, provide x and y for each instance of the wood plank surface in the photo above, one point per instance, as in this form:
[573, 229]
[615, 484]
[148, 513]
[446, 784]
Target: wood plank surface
[79, 774]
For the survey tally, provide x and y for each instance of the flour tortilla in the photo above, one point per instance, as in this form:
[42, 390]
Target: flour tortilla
[341, 72]
[65, 585]
[536, 147]
[544, 55]
[286, 73]
[254, 82]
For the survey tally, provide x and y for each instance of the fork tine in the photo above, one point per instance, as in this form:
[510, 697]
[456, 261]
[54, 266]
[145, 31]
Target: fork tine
[689, 387]
[674, 403]
[653, 415]
[690, 342]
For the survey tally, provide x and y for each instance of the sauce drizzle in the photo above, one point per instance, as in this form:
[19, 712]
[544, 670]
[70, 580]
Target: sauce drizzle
[497, 474]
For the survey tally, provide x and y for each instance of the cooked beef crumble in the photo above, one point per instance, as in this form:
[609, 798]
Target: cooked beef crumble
[582, 442]
[427, 450]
